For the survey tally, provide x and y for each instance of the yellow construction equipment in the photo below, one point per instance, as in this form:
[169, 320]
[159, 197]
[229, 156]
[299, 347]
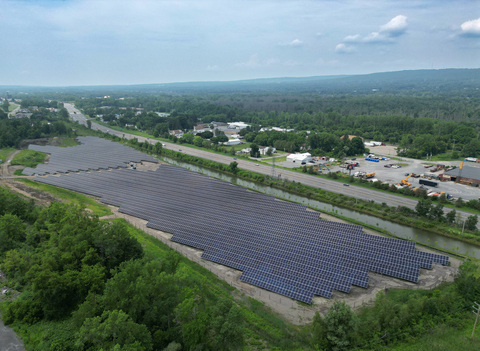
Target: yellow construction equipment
[369, 175]
[404, 181]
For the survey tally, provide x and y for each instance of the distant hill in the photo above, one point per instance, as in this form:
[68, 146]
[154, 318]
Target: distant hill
[414, 82]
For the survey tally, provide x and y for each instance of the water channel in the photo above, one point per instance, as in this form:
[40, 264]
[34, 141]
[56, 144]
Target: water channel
[422, 236]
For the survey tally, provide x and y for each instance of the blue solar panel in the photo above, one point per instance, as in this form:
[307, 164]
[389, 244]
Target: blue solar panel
[279, 246]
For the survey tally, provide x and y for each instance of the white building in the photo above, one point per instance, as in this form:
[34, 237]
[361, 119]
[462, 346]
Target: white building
[264, 149]
[238, 125]
[300, 158]
[232, 142]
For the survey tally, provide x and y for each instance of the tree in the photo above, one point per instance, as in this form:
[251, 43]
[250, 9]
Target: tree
[340, 325]
[423, 208]
[254, 150]
[222, 138]
[459, 202]
[450, 217]
[89, 124]
[12, 232]
[5, 105]
[227, 326]
[442, 199]
[111, 330]
[198, 141]
[437, 213]
[233, 167]
[471, 223]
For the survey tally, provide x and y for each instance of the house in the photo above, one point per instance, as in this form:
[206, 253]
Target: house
[264, 150]
[219, 124]
[231, 133]
[177, 132]
[23, 115]
[300, 158]
[162, 114]
[246, 150]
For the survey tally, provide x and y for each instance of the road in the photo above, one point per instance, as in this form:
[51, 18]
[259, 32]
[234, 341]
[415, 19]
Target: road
[326, 184]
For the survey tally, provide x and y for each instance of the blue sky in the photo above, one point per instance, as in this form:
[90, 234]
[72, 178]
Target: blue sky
[93, 42]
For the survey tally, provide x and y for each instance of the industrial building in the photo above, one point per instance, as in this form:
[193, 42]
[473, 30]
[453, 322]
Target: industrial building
[301, 158]
[467, 175]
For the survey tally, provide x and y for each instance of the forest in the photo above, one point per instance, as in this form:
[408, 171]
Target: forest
[415, 136]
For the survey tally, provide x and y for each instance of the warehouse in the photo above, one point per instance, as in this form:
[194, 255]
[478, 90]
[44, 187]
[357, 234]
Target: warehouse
[301, 158]
[467, 175]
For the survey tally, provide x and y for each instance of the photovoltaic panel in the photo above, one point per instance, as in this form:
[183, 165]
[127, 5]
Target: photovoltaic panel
[279, 246]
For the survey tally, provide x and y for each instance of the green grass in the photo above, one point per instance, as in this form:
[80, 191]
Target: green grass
[18, 172]
[4, 153]
[12, 107]
[443, 338]
[29, 158]
[66, 142]
[447, 156]
[70, 196]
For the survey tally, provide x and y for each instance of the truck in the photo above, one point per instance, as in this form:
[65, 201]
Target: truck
[428, 182]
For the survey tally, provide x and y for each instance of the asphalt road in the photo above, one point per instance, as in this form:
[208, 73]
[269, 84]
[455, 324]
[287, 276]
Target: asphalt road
[326, 184]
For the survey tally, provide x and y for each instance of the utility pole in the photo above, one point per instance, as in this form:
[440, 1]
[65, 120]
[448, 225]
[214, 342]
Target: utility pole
[476, 310]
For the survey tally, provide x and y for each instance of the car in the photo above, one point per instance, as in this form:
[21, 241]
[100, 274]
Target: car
[407, 174]
[256, 164]
[179, 149]
[388, 166]
[234, 158]
[353, 159]
[346, 184]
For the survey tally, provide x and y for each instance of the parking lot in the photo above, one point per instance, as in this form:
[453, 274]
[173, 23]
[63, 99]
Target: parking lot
[408, 166]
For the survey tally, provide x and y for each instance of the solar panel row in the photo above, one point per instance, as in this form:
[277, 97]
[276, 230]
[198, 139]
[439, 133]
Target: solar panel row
[278, 245]
[93, 154]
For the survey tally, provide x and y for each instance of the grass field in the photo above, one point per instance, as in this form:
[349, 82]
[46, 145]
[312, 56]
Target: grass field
[12, 107]
[70, 196]
[65, 142]
[29, 158]
[18, 172]
[4, 153]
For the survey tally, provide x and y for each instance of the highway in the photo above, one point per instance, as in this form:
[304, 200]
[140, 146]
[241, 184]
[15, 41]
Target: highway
[316, 182]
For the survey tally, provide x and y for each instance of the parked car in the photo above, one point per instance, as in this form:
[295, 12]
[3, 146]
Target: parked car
[256, 164]
[234, 158]
[346, 184]
[179, 149]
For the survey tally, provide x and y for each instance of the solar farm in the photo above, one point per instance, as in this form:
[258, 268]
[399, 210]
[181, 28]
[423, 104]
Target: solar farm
[92, 154]
[278, 246]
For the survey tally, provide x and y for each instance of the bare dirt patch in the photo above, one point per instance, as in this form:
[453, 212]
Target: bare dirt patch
[40, 197]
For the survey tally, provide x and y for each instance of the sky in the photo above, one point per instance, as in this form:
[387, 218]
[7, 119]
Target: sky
[102, 42]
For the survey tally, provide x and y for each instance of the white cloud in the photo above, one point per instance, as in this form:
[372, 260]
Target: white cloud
[395, 27]
[471, 28]
[388, 33]
[319, 34]
[344, 49]
[293, 43]
[352, 38]
[213, 68]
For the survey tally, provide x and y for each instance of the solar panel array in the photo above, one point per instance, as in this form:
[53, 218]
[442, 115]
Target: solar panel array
[279, 246]
[92, 154]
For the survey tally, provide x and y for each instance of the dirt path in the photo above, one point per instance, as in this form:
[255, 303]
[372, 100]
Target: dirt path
[6, 169]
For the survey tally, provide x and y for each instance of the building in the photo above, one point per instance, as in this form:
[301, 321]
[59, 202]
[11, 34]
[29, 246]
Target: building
[177, 132]
[264, 150]
[232, 142]
[467, 175]
[300, 158]
[238, 125]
